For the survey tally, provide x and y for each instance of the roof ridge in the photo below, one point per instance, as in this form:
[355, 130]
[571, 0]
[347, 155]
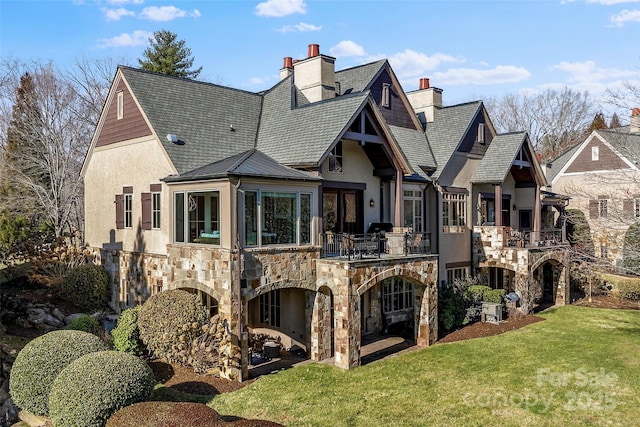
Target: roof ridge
[362, 65]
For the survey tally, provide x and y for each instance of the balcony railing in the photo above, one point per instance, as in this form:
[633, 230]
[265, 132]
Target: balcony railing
[514, 238]
[417, 243]
[353, 246]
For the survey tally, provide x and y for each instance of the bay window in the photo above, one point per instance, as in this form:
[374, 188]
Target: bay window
[197, 217]
[277, 218]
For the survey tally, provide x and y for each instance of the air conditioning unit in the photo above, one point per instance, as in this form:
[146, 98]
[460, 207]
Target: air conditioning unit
[492, 312]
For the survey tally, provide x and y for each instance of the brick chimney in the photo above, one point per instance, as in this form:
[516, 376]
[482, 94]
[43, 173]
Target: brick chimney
[634, 125]
[287, 68]
[315, 76]
[425, 100]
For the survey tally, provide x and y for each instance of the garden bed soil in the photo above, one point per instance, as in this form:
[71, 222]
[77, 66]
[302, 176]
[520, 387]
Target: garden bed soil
[486, 329]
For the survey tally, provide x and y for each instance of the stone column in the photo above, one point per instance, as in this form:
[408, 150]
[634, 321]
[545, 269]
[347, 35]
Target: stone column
[426, 314]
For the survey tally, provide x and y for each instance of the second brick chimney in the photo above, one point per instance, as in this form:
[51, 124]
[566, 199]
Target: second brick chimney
[634, 125]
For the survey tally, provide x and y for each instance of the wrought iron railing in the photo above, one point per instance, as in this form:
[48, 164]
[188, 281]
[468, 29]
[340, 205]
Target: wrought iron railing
[417, 243]
[353, 246]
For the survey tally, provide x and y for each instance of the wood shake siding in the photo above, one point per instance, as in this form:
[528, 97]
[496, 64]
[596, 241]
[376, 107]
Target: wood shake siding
[607, 159]
[132, 124]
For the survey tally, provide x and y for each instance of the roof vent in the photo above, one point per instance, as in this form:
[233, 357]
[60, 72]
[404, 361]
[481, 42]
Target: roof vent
[172, 138]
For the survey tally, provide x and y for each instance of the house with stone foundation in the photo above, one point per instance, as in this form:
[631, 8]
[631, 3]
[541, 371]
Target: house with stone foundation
[495, 217]
[324, 210]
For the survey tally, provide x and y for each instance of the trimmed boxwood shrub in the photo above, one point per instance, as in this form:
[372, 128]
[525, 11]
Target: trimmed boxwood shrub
[95, 386]
[40, 362]
[87, 286]
[86, 324]
[494, 295]
[169, 322]
[126, 336]
[475, 293]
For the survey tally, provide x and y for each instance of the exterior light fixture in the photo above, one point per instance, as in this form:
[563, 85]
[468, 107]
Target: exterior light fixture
[372, 203]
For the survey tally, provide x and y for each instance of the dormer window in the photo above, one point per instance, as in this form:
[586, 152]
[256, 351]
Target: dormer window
[480, 136]
[120, 105]
[384, 102]
[595, 153]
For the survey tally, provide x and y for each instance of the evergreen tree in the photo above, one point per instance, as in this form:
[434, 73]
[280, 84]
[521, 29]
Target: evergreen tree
[598, 122]
[168, 55]
[615, 121]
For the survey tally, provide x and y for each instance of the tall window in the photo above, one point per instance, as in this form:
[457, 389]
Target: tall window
[636, 208]
[384, 102]
[397, 294]
[273, 218]
[197, 217]
[335, 158]
[128, 208]
[413, 210]
[454, 274]
[454, 212]
[120, 105]
[270, 308]
[595, 153]
[480, 135]
[155, 210]
[603, 207]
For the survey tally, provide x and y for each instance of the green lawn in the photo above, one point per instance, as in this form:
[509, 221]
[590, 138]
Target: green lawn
[579, 367]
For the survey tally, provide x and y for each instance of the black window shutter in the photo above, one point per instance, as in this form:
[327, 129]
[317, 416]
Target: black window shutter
[146, 211]
[119, 211]
[593, 209]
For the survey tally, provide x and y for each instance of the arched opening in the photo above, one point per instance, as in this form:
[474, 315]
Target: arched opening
[208, 301]
[323, 325]
[388, 312]
[279, 329]
[546, 277]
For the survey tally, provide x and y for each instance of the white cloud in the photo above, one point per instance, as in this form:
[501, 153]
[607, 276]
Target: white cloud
[619, 19]
[116, 14]
[279, 8]
[299, 28]
[137, 38]
[589, 72]
[347, 48]
[257, 81]
[500, 74]
[166, 13]
[411, 63]
[612, 2]
[119, 2]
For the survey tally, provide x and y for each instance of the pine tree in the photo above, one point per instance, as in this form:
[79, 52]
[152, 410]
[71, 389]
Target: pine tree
[598, 122]
[615, 122]
[168, 55]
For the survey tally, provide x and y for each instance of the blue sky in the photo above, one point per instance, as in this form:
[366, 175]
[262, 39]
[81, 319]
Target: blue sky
[471, 49]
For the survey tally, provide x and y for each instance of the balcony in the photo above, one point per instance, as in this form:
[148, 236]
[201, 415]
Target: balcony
[508, 237]
[374, 245]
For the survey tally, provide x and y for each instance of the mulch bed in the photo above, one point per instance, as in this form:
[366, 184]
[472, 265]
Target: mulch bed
[485, 329]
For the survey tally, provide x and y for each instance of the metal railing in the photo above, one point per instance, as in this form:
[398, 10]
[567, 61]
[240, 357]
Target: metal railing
[527, 239]
[417, 243]
[353, 246]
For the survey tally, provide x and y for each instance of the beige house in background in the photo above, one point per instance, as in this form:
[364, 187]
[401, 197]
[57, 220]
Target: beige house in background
[602, 177]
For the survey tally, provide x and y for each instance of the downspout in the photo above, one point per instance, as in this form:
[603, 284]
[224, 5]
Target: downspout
[398, 199]
[236, 191]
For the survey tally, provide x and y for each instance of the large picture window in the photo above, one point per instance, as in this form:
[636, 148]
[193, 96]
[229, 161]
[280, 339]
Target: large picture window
[397, 294]
[197, 217]
[454, 212]
[273, 218]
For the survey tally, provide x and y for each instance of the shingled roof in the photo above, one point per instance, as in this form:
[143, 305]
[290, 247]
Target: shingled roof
[415, 146]
[447, 130]
[499, 157]
[251, 163]
[358, 79]
[199, 114]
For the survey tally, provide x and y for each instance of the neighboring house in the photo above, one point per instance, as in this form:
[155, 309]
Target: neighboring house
[602, 177]
[269, 205]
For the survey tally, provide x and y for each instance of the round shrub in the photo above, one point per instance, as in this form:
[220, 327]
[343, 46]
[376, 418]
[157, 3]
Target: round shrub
[475, 293]
[95, 386]
[87, 286]
[85, 323]
[175, 414]
[126, 336]
[40, 362]
[169, 321]
[495, 295]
